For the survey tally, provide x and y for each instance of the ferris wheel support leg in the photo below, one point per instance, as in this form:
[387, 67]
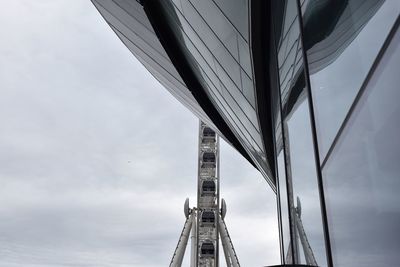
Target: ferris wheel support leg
[229, 251]
[226, 251]
[193, 241]
[182, 243]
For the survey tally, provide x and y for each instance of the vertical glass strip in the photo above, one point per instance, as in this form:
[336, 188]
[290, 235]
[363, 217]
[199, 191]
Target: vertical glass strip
[307, 244]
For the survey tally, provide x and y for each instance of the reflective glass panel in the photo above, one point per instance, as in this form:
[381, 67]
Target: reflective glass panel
[341, 50]
[211, 46]
[362, 175]
[282, 187]
[308, 243]
[304, 200]
[237, 12]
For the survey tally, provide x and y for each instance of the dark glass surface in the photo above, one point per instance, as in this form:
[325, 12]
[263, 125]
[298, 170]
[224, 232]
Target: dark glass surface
[217, 64]
[237, 12]
[223, 48]
[244, 56]
[282, 187]
[219, 23]
[231, 101]
[222, 60]
[362, 175]
[340, 61]
[301, 170]
[248, 89]
[303, 176]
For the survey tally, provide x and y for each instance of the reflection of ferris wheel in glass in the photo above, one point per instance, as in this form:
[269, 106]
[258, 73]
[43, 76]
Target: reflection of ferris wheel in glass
[299, 233]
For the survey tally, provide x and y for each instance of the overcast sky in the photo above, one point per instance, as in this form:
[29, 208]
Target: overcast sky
[96, 158]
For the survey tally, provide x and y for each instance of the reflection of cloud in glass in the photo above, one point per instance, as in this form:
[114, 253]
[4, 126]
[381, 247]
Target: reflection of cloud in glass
[300, 161]
[304, 178]
[335, 86]
[362, 175]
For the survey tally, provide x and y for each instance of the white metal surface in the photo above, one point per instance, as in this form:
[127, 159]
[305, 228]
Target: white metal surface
[229, 251]
[193, 241]
[177, 258]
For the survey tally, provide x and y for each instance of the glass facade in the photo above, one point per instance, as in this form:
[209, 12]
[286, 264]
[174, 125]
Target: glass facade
[282, 190]
[334, 108]
[366, 24]
[301, 192]
[221, 56]
[336, 131]
[362, 174]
